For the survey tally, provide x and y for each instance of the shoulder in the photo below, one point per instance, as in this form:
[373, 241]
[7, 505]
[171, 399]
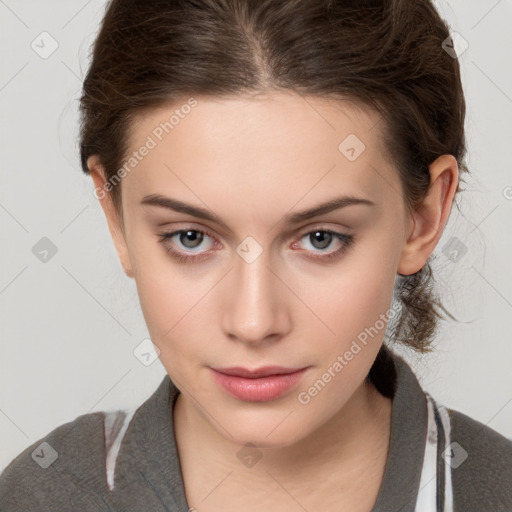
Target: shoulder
[481, 465]
[64, 470]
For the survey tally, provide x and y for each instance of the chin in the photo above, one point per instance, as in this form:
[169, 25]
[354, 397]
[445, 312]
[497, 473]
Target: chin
[274, 431]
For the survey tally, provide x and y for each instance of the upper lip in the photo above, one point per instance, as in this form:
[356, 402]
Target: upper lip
[264, 371]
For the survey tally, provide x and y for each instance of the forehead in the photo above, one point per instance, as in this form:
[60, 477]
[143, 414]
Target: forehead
[276, 119]
[263, 144]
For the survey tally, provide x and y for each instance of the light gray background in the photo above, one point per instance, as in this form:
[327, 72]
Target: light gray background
[69, 326]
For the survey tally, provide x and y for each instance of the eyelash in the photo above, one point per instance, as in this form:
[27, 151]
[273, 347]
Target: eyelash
[179, 256]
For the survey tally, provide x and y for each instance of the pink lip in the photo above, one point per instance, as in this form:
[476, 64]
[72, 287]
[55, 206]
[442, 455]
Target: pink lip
[259, 385]
[264, 371]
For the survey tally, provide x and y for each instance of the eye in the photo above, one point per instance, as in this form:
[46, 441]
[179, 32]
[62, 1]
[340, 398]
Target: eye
[188, 239]
[321, 239]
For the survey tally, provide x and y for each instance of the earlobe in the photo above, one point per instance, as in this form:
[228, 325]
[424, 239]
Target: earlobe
[114, 223]
[430, 215]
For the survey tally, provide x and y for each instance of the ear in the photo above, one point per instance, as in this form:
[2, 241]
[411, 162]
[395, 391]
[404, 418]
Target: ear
[102, 193]
[430, 215]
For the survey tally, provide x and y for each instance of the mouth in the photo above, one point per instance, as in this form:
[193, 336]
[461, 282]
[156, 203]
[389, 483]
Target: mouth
[264, 371]
[258, 385]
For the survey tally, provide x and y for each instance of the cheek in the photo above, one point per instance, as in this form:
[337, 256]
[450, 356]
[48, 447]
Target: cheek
[165, 313]
[176, 309]
[356, 307]
[159, 288]
[167, 302]
[357, 292]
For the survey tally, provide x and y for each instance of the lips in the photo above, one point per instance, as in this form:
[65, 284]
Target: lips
[265, 371]
[260, 384]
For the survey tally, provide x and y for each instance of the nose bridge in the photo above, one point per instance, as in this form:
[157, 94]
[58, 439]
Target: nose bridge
[254, 309]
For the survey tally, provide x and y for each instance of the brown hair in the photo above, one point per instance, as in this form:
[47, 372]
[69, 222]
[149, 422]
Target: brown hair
[384, 54]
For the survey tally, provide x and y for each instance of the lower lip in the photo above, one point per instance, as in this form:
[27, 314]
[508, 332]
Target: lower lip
[261, 389]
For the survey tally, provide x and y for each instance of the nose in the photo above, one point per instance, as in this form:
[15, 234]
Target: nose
[255, 310]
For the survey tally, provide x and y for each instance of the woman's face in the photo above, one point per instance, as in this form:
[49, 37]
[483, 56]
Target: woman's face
[264, 283]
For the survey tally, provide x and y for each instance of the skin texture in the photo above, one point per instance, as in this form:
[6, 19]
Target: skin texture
[252, 160]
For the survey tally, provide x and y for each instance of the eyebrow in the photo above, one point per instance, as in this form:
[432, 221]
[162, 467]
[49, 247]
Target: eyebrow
[294, 218]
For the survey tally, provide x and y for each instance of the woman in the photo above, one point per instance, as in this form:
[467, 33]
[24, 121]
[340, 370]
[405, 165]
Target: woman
[275, 177]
